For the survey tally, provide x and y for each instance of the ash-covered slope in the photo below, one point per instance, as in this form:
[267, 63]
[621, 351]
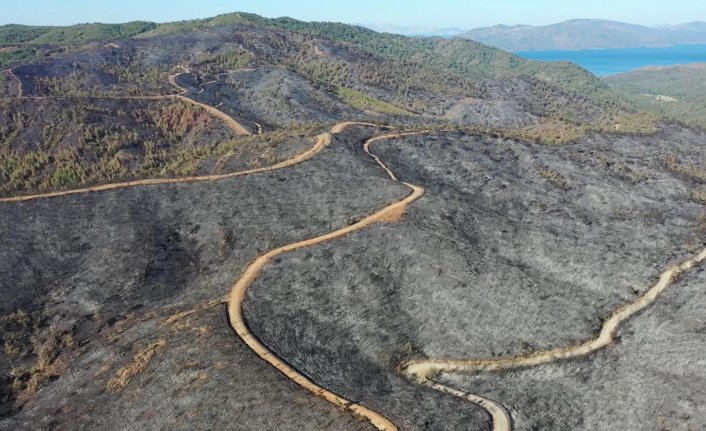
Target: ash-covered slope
[514, 248]
[90, 281]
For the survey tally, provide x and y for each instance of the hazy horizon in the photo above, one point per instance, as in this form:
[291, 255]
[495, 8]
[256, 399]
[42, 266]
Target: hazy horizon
[450, 13]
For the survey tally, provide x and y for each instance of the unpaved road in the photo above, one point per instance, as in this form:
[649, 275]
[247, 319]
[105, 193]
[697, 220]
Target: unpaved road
[229, 121]
[237, 295]
[424, 371]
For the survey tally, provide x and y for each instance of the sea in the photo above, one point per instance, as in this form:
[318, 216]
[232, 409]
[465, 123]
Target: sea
[603, 62]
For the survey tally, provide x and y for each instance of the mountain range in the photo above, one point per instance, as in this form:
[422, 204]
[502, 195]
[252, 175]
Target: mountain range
[415, 30]
[580, 34]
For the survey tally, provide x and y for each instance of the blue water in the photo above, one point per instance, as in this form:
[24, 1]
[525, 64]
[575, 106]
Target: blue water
[611, 61]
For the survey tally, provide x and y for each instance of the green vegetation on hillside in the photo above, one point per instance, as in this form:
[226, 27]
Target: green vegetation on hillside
[132, 80]
[677, 92]
[363, 101]
[558, 132]
[95, 142]
[21, 54]
[86, 143]
[403, 84]
[25, 43]
[380, 72]
[13, 34]
[225, 61]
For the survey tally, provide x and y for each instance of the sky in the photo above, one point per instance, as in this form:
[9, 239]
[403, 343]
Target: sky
[430, 13]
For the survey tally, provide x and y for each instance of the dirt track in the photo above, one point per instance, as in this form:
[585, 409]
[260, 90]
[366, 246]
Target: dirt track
[19, 83]
[424, 371]
[227, 119]
[237, 295]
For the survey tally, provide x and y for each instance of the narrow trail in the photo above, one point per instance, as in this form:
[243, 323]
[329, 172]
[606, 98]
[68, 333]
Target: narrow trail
[17, 80]
[20, 90]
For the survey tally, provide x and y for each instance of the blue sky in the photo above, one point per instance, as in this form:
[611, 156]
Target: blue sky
[434, 13]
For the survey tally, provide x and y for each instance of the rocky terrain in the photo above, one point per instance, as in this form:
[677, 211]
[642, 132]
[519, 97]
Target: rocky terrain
[539, 202]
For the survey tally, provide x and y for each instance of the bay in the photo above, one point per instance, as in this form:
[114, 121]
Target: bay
[604, 62]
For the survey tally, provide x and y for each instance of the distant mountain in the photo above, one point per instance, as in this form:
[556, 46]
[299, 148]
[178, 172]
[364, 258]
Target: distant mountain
[587, 34]
[414, 30]
[691, 27]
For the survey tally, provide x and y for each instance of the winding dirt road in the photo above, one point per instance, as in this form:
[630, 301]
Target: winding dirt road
[321, 142]
[237, 296]
[229, 121]
[424, 371]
